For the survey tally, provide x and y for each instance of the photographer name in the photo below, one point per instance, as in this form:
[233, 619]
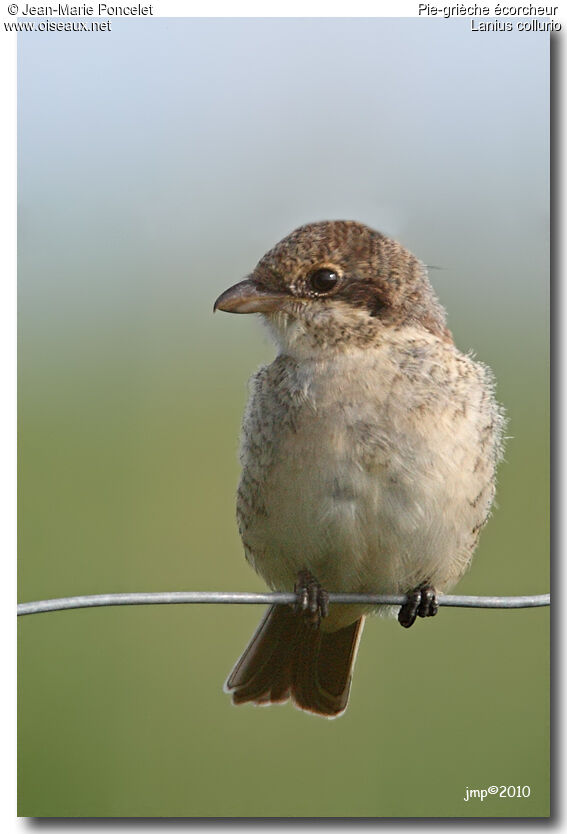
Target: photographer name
[100, 10]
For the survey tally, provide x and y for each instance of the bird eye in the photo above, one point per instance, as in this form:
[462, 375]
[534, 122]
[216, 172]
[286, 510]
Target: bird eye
[323, 280]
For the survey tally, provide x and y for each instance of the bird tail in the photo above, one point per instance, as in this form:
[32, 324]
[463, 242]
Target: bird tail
[288, 657]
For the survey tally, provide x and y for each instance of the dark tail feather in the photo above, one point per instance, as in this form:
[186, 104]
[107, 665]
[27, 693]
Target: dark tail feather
[323, 670]
[263, 673]
[287, 657]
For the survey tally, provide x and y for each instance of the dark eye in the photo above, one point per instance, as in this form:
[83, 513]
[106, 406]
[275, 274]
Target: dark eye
[323, 280]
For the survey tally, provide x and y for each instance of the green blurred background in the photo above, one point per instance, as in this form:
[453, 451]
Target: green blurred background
[157, 163]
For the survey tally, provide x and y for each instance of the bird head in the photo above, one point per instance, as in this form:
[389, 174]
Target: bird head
[337, 284]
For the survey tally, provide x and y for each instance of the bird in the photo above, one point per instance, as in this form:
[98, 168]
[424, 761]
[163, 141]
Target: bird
[369, 451]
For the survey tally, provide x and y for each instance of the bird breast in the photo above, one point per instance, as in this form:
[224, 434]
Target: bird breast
[373, 468]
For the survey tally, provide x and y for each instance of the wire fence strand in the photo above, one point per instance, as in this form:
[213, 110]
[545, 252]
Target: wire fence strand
[278, 598]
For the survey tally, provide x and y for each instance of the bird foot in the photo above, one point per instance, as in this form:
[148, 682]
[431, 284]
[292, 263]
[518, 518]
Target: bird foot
[421, 602]
[312, 599]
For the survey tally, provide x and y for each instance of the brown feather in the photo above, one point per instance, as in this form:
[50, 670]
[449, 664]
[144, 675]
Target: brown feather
[289, 658]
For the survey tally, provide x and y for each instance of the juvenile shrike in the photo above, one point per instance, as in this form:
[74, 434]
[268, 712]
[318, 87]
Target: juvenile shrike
[369, 451]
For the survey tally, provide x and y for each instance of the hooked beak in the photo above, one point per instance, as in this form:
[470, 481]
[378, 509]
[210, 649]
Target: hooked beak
[248, 297]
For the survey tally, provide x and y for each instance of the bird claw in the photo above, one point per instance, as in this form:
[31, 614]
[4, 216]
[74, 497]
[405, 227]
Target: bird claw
[312, 599]
[421, 602]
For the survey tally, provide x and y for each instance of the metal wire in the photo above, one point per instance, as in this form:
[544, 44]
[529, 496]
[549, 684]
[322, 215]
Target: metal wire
[235, 597]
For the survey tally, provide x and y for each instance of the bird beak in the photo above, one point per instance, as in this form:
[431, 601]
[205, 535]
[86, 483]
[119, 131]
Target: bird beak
[248, 297]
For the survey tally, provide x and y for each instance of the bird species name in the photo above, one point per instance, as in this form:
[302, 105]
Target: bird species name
[485, 11]
[520, 25]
